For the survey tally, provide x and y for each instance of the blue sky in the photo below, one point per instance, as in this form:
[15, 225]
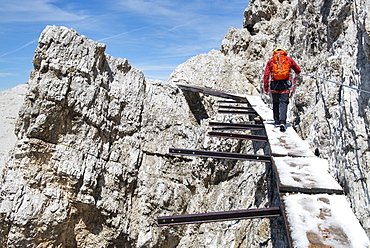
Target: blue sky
[154, 35]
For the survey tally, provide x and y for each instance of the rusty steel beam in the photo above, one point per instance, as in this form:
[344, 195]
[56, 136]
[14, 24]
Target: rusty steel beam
[223, 155]
[232, 102]
[229, 129]
[238, 126]
[237, 107]
[247, 112]
[219, 216]
[238, 136]
[212, 92]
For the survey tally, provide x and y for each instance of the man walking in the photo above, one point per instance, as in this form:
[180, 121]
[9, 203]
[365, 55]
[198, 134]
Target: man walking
[277, 80]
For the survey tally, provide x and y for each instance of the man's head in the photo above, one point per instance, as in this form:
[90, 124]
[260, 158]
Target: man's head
[279, 49]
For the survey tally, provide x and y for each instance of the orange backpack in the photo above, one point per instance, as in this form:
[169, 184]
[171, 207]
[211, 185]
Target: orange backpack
[281, 67]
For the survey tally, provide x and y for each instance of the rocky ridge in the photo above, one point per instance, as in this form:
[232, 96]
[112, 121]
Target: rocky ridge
[91, 166]
[328, 39]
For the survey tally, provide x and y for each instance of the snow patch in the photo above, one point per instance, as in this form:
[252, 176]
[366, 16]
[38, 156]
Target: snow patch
[305, 172]
[287, 143]
[323, 219]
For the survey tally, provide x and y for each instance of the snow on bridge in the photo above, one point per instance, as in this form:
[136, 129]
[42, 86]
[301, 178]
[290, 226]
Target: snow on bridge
[315, 209]
[313, 204]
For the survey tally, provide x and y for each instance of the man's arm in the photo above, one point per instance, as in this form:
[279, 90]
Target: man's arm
[266, 77]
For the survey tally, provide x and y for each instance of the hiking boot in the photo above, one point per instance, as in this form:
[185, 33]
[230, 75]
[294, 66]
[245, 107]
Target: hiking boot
[258, 120]
[282, 128]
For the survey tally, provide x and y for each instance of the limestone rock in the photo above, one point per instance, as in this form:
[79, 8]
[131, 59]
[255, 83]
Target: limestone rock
[91, 166]
[10, 103]
[328, 39]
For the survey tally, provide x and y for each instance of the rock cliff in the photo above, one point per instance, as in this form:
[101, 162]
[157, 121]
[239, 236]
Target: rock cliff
[90, 167]
[328, 39]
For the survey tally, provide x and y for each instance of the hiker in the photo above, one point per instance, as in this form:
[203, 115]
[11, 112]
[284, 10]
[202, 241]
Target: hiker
[277, 80]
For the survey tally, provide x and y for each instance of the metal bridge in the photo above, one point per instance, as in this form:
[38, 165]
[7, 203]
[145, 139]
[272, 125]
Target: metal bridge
[303, 178]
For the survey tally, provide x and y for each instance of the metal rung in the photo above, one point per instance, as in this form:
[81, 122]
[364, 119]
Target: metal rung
[237, 125]
[237, 107]
[231, 129]
[224, 155]
[302, 190]
[234, 129]
[238, 136]
[233, 102]
[220, 111]
[212, 92]
[219, 216]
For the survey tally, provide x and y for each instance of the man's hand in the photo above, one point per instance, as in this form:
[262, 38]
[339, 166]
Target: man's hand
[266, 91]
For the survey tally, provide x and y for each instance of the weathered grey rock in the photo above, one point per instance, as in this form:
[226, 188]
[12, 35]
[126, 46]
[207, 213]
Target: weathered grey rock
[10, 103]
[91, 169]
[329, 39]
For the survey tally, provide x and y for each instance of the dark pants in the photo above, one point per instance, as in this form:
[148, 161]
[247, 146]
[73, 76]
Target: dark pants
[279, 106]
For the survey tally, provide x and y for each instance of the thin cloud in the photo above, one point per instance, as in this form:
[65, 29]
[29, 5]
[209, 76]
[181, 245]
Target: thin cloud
[20, 48]
[127, 32]
[183, 51]
[34, 11]
[179, 26]
[163, 12]
[162, 33]
[3, 74]
[161, 67]
[151, 8]
[200, 19]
